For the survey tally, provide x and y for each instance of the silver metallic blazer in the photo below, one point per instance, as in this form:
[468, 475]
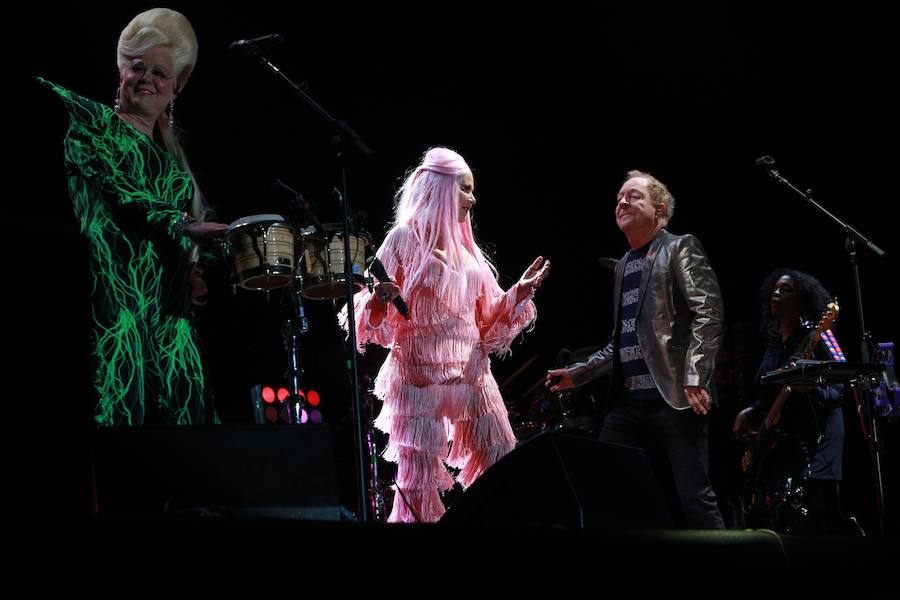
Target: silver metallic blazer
[679, 322]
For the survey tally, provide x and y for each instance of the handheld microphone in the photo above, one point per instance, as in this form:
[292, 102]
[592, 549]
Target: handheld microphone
[256, 46]
[377, 269]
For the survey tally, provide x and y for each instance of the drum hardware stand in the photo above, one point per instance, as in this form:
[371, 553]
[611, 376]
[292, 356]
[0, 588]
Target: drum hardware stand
[853, 239]
[291, 330]
[344, 138]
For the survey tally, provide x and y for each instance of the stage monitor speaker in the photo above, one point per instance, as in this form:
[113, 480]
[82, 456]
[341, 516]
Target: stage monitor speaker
[273, 471]
[562, 480]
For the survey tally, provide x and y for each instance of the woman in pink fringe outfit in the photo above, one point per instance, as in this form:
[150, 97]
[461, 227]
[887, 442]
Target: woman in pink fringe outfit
[436, 382]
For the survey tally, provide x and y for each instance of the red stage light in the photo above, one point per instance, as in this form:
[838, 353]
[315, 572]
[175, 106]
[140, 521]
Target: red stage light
[268, 394]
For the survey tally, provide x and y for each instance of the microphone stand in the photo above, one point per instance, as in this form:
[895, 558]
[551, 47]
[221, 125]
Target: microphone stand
[853, 240]
[343, 136]
[376, 497]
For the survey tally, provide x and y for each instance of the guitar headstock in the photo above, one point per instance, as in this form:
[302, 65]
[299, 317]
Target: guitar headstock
[829, 316]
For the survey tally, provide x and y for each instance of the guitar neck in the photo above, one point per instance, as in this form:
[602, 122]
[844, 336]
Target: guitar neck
[774, 413]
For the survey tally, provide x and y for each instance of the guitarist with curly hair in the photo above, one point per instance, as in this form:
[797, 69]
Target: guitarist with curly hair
[794, 433]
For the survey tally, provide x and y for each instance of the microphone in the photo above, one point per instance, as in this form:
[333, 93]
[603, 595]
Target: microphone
[609, 263]
[377, 269]
[765, 162]
[256, 46]
[300, 205]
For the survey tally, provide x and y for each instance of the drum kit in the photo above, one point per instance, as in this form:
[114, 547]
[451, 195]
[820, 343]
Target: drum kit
[269, 252]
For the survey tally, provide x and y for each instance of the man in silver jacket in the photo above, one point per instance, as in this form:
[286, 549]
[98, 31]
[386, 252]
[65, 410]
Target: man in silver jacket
[666, 334]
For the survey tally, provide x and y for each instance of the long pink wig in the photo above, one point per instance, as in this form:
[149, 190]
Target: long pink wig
[428, 203]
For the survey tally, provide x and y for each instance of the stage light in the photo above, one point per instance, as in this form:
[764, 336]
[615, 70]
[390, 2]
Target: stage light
[268, 394]
[266, 410]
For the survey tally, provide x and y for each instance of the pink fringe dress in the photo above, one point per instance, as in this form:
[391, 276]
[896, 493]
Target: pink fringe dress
[436, 382]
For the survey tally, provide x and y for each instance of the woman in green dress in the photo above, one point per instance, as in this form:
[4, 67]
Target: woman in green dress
[144, 219]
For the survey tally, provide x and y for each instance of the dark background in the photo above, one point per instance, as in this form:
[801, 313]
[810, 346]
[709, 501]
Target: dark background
[550, 108]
